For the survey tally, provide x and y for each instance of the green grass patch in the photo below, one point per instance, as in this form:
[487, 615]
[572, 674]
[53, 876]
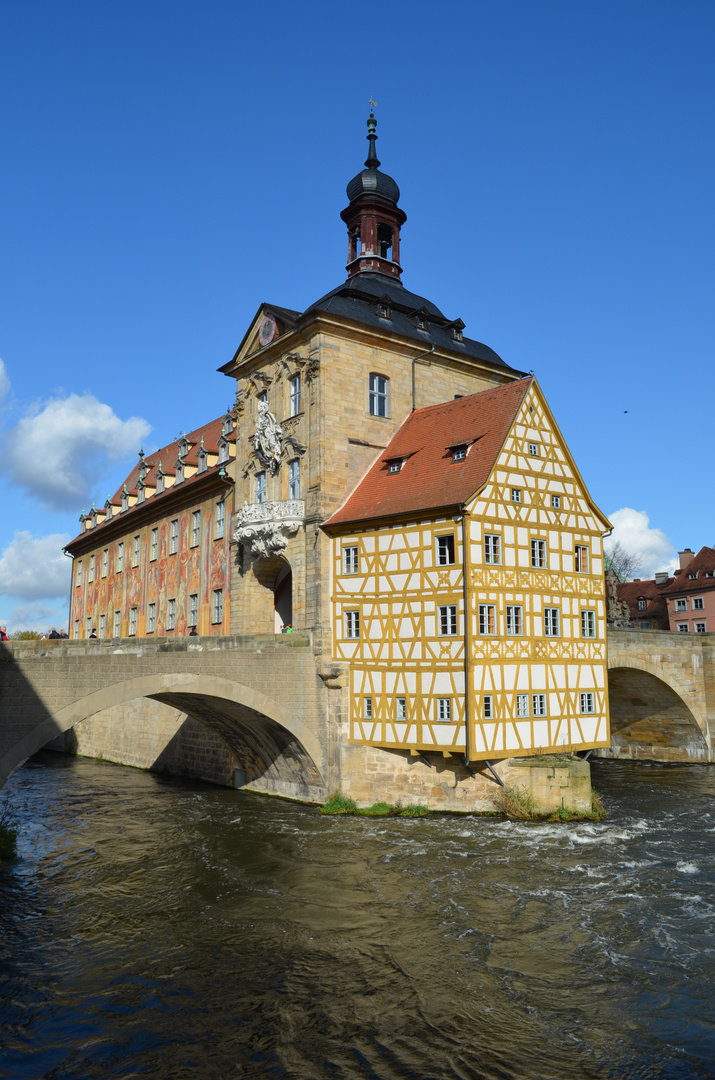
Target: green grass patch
[339, 804]
[517, 804]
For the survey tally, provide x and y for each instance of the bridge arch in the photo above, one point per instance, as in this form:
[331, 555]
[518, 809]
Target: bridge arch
[653, 713]
[272, 743]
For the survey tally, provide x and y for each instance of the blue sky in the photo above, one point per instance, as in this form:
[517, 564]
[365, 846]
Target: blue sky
[169, 166]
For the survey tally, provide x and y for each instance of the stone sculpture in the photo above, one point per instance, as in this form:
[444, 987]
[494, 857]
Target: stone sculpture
[268, 440]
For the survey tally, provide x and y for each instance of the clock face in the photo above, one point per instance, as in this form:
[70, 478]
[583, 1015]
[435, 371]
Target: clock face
[267, 330]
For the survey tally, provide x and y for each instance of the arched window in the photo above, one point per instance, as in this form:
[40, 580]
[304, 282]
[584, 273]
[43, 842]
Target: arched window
[378, 394]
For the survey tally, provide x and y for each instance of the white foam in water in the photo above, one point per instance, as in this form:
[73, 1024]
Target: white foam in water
[687, 868]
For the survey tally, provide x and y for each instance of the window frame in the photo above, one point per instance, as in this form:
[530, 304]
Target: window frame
[102, 626]
[260, 488]
[154, 548]
[581, 555]
[379, 395]
[105, 563]
[171, 613]
[132, 622]
[488, 706]
[588, 621]
[516, 495]
[681, 605]
[217, 607]
[555, 502]
[90, 570]
[698, 603]
[539, 551]
[448, 615]
[443, 710]
[488, 617]
[493, 541]
[136, 551]
[522, 707]
[683, 628]
[120, 557]
[195, 528]
[367, 713]
[448, 540]
[515, 612]
[294, 479]
[539, 705]
[401, 710]
[351, 624]
[220, 525]
[117, 627]
[294, 395]
[193, 609]
[151, 618]
[534, 450]
[555, 612]
[700, 627]
[587, 698]
[351, 565]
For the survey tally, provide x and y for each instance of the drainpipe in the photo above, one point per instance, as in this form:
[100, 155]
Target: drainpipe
[414, 361]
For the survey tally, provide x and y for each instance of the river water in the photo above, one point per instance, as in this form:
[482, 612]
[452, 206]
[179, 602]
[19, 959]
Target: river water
[167, 929]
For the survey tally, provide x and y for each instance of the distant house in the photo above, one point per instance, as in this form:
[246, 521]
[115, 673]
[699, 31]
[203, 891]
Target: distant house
[646, 602]
[690, 596]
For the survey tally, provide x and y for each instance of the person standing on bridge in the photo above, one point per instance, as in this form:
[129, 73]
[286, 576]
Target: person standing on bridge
[3, 633]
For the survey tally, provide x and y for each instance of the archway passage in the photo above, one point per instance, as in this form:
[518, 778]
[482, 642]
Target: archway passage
[649, 721]
[283, 598]
[269, 595]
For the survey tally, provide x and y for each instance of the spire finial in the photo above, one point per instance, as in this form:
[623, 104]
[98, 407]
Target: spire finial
[372, 161]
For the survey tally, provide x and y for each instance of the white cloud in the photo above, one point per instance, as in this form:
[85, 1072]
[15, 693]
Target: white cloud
[60, 452]
[35, 568]
[651, 548]
[41, 617]
[4, 381]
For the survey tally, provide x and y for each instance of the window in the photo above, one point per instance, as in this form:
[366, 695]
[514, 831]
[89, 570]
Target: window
[260, 487]
[487, 619]
[78, 576]
[195, 528]
[538, 704]
[220, 520]
[693, 577]
[222, 452]
[459, 453]
[492, 549]
[683, 628]
[102, 625]
[710, 573]
[551, 622]
[263, 396]
[538, 553]
[151, 619]
[534, 449]
[642, 605]
[89, 627]
[174, 537]
[700, 628]
[154, 544]
[394, 466]
[587, 702]
[401, 708]
[448, 619]
[120, 557]
[644, 624]
[367, 708]
[445, 550]
[171, 615]
[117, 624]
[588, 624]
[514, 619]
[351, 561]
[352, 624]
[522, 705]
[294, 385]
[378, 395]
[218, 606]
[294, 479]
[132, 622]
[90, 575]
[76, 628]
[137, 547]
[488, 707]
[444, 710]
[681, 605]
[556, 502]
[193, 609]
[581, 559]
[698, 603]
[105, 562]
[516, 494]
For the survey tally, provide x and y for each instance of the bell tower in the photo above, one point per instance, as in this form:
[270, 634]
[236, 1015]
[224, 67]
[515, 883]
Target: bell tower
[373, 217]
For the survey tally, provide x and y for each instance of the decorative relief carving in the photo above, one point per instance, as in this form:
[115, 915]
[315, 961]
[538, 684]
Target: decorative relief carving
[264, 529]
[268, 440]
[312, 368]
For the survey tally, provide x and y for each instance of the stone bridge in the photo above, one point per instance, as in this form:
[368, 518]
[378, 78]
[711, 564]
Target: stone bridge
[261, 694]
[661, 687]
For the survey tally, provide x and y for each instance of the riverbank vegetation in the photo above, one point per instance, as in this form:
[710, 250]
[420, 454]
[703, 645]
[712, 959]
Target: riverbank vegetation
[517, 804]
[339, 804]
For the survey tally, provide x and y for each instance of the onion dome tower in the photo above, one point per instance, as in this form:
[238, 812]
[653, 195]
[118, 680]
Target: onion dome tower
[373, 217]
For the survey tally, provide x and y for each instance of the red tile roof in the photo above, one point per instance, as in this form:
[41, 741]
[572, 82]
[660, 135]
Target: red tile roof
[656, 607]
[703, 563]
[429, 478]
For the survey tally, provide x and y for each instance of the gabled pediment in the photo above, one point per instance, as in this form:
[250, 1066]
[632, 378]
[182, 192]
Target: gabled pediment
[269, 323]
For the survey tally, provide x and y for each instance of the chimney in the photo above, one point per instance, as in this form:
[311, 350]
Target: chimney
[661, 577]
[685, 557]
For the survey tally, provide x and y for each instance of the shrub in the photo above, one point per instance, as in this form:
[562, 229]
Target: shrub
[338, 804]
[516, 803]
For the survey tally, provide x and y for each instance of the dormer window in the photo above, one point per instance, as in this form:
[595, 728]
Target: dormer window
[141, 492]
[642, 604]
[394, 466]
[159, 480]
[108, 509]
[421, 323]
[457, 335]
[227, 424]
[201, 454]
[459, 453]
[125, 499]
[184, 445]
[179, 471]
[222, 450]
[693, 577]
[92, 518]
[383, 310]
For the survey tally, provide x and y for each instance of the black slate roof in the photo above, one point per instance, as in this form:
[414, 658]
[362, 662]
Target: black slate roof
[359, 299]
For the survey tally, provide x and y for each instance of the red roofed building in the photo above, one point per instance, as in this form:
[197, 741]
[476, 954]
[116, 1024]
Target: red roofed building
[691, 594]
[646, 601]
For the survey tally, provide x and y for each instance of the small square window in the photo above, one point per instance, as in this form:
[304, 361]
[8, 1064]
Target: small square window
[556, 502]
[445, 550]
[700, 628]
[683, 628]
[394, 466]
[698, 603]
[538, 704]
[448, 619]
[522, 706]
[444, 710]
[681, 605]
[488, 707]
[534, 449]
[367, 708]
[459, 453]
[516, 495]
[401, 708]
[351, 560]
[588, 702]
